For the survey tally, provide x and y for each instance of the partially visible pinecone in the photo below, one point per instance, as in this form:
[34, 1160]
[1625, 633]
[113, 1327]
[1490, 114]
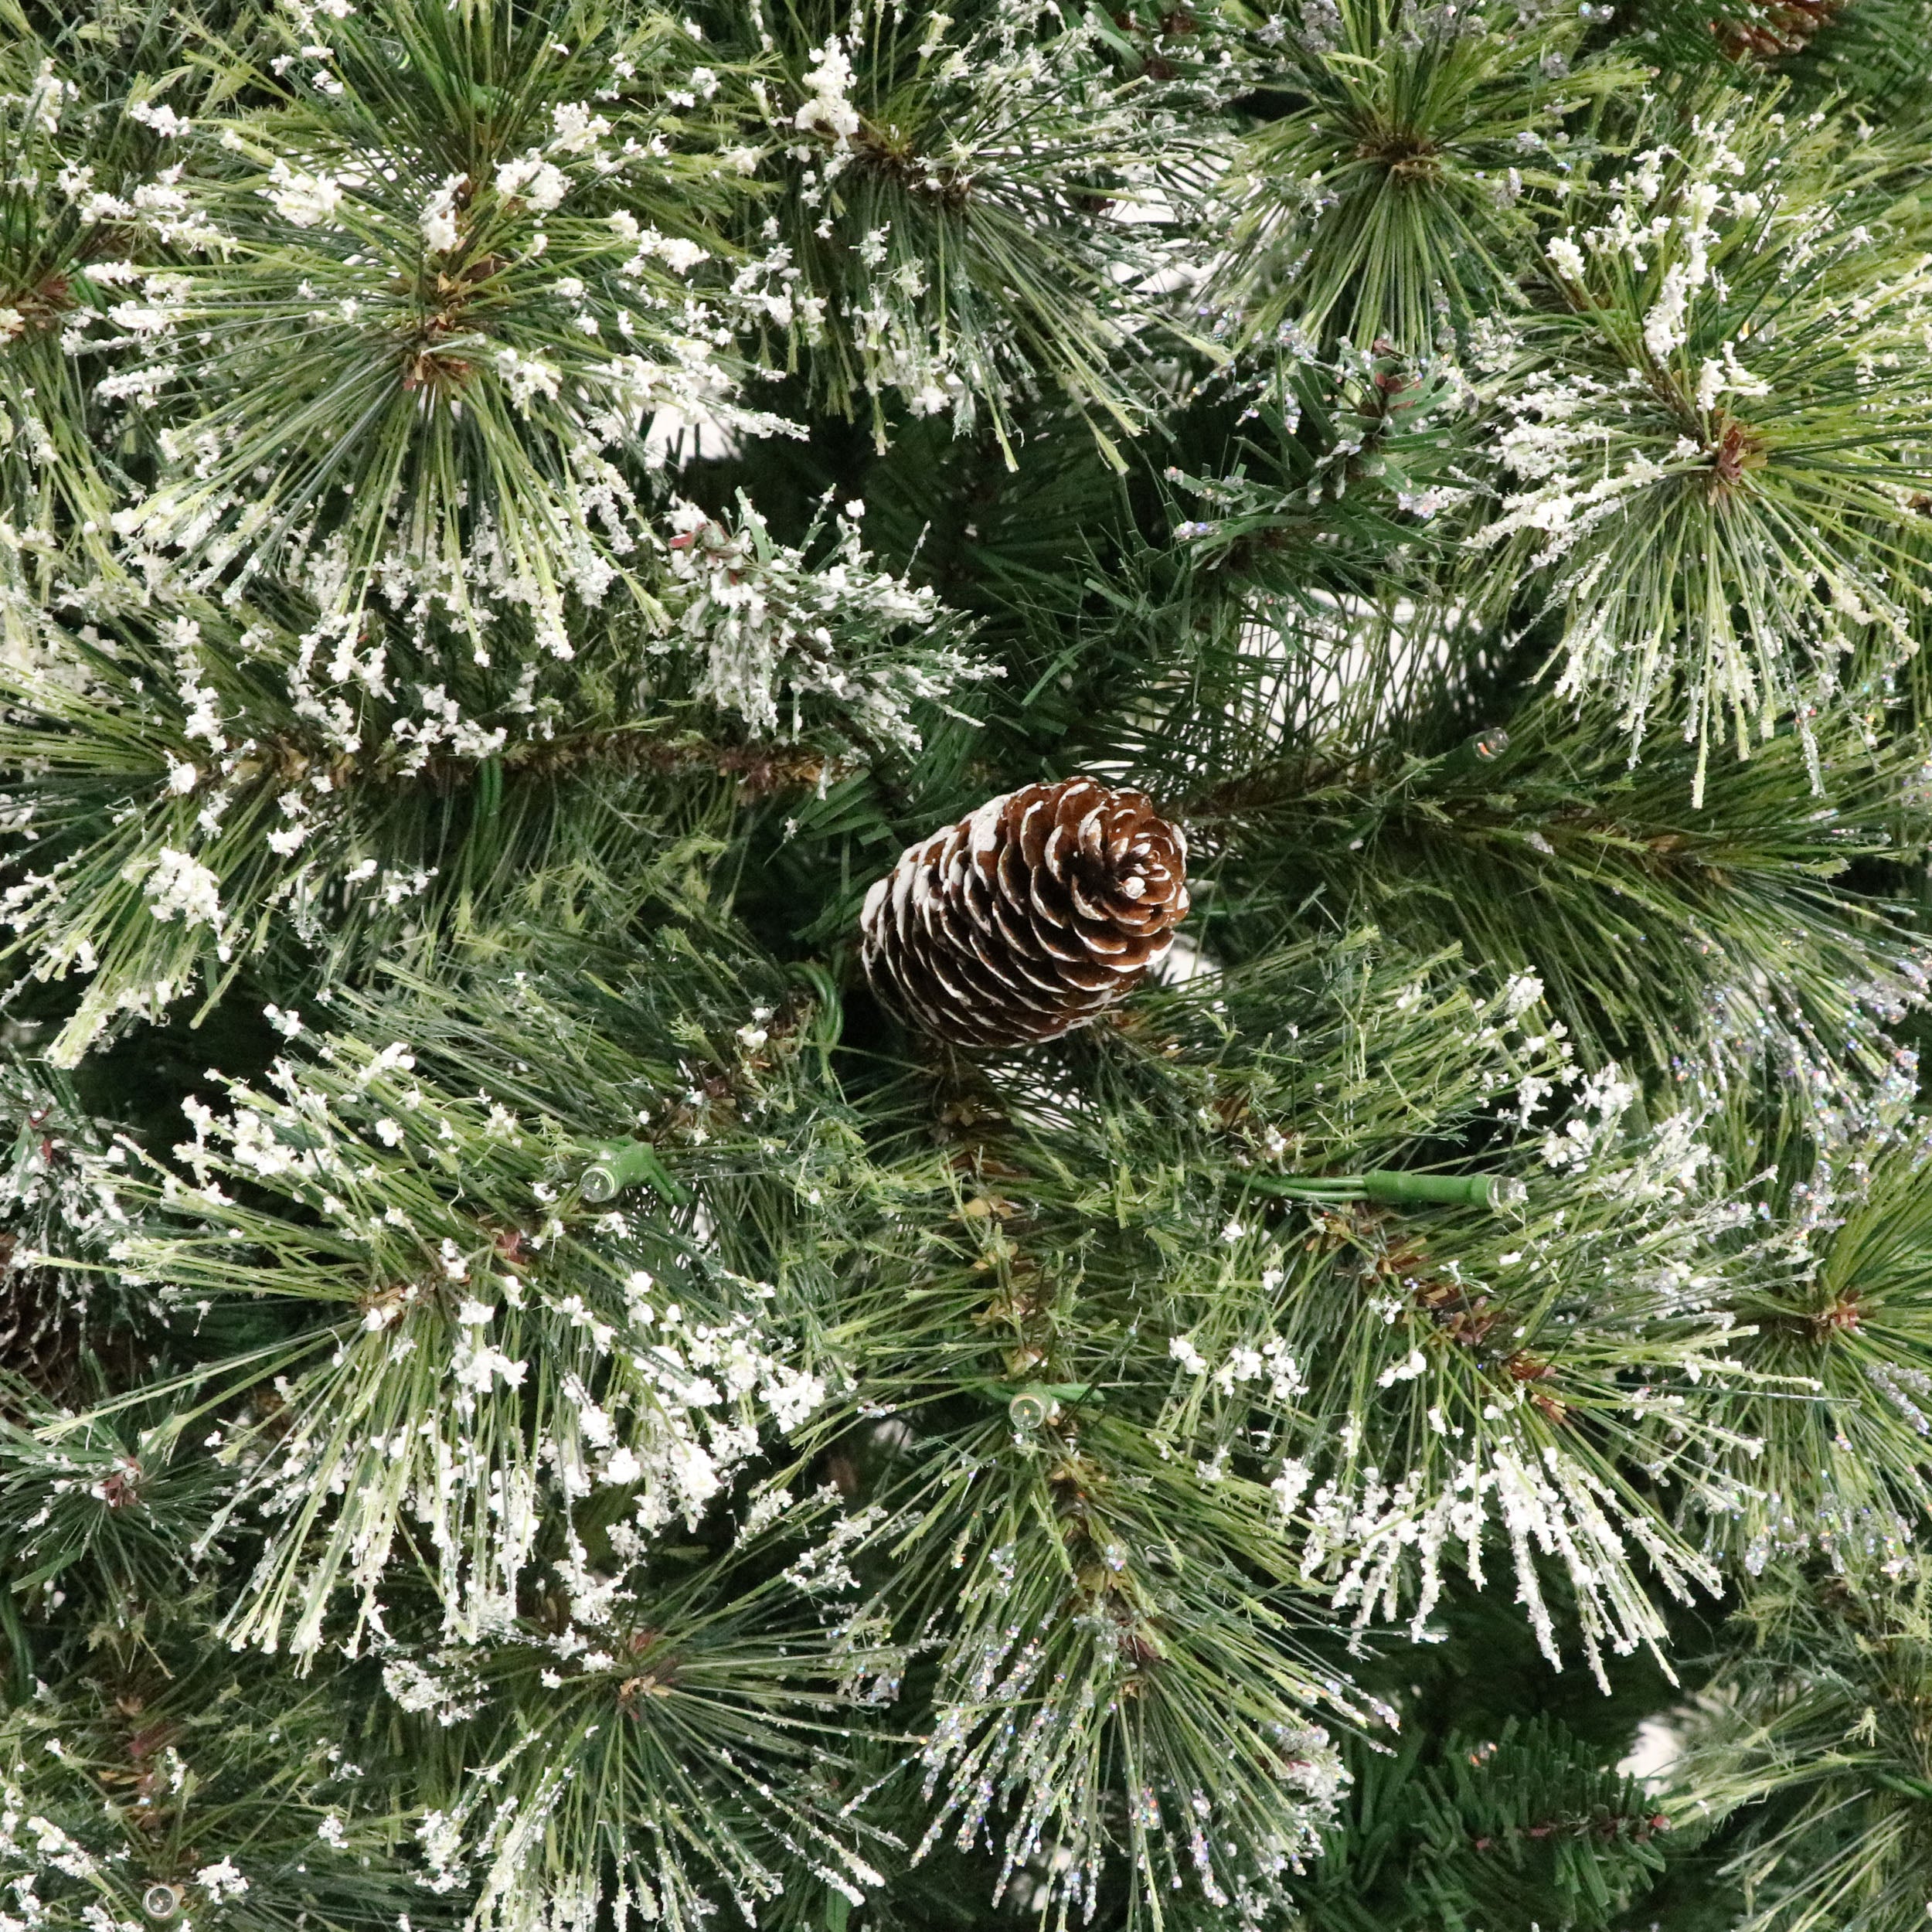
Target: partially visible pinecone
[1026, 919]
[1773, 30]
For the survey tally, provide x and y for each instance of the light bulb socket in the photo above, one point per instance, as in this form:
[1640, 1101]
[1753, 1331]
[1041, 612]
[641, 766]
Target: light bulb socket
[1453, 1190]
[1031, 1409]
[1480, 748]
[626, 1164]
[1496, 1191]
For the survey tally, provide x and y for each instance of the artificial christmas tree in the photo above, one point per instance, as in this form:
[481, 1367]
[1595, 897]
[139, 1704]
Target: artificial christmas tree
[598, 1324]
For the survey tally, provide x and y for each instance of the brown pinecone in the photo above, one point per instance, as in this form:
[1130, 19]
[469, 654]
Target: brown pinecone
[1026, 919]
[1773, 29]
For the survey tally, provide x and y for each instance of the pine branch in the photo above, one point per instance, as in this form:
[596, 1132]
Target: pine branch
[1684, 940]
[1383, 203]
[1812, 1743]
[100, 1512]
[667, 1746]
[485, 250]
[163, 1779]
[71, 133]
[434, 1260]
[60, 1211]
[1714, 417]
[1526, 1826]
[948, 230]
[1841, 1421]
[210, 787]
